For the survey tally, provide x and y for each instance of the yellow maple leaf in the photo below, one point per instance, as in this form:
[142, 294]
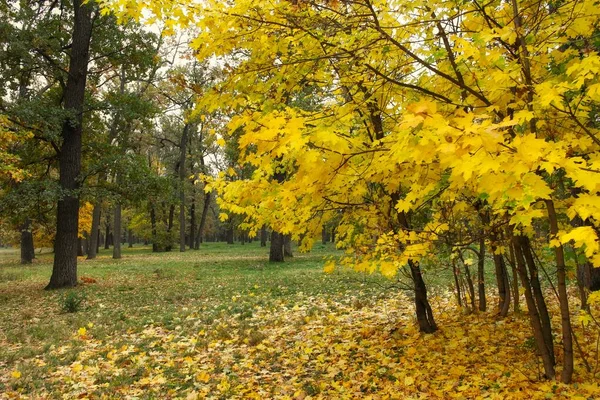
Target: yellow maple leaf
[15, 374]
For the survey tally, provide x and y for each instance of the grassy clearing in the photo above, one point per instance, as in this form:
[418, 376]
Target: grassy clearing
[224, 323]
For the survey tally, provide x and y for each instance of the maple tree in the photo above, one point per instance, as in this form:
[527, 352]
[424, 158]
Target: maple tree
[487, 108]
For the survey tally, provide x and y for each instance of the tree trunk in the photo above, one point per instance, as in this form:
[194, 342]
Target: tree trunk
[538, 293]
[287, 246]
[545, 348]
[27, 248]
[456, 283]
[515, 276]
[263, 236]
[324, 235]
[481, 273]
[153, 223]
[230, 232]
[205, 207]
[276, 252]
[107, 233]
[169, 247]
[64, 270]
[130, 238]
[192, 235]
[501, 280]
[117, 232]
[181, 170]
[423, 309]
[567, 338]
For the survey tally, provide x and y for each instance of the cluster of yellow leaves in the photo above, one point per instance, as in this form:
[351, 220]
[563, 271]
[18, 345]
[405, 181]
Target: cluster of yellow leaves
[485, 118]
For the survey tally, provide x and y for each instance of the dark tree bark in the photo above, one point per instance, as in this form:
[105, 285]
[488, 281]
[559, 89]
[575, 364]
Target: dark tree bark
[545, 348]
[423, 309]
[181, 170]
[263, 236]
[27, 248]
[324, 235]
[205, 208]
[287, 246]
[276, 251]
[64, 270]
[117, 232]
[192, 234]
[130, 238]
[230, 234]
[169, 247]
[153, 224]
[481, 273]
[563, 298]
[107, 233]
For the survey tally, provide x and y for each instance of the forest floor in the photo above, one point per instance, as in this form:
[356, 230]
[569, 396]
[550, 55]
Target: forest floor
[222, 322]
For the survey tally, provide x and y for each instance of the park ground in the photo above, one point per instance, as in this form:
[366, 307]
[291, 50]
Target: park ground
[223, 323]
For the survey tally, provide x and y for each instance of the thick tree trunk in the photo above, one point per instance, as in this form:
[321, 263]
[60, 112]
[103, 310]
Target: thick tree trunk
[563, 298]
[64, 270]
[117, 232]
[481, 273]
[287, 246]
[230, 234]
[276, 251]
[27, 248]
[263, 236]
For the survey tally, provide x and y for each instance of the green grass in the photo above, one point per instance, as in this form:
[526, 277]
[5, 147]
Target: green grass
[218, 282]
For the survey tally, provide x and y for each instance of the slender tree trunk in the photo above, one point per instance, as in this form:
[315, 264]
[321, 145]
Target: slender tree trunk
[107, 233]
[192, 235]
[538, 294]
[202, 225]
[423, 309]
[455, 273]
[561, 274]
[545, 349]
[64, 270]
[153, 224]
[481, 273]
[287, 246]
[276, 251]
[470, 286]
[27, 248]
[515, 276]
[181, 168]
[501, 280]
[117, 232]
[170, 226]
[130, 238]
[263, 236]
